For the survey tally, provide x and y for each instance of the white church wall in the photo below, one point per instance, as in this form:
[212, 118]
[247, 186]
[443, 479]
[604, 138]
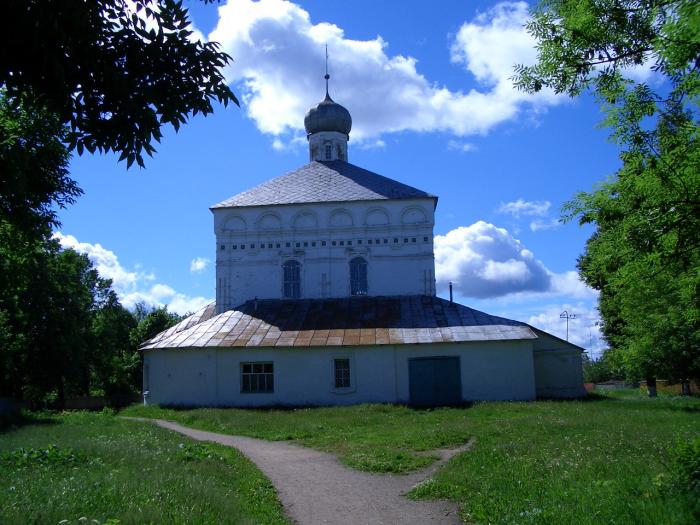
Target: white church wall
[395, 237]
[498, 370]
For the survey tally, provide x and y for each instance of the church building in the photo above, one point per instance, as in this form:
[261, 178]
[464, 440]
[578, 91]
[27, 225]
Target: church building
[325, 295]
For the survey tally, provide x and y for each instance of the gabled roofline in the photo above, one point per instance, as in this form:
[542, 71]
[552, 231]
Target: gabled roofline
[567, 343]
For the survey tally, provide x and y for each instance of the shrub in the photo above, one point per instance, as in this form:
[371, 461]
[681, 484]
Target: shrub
[51, 454]
[686, 465]
[685, 468]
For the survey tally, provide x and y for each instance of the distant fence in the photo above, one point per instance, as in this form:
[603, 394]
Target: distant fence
[98, 402]
[615, 385]
[662, 385]
[9, 406]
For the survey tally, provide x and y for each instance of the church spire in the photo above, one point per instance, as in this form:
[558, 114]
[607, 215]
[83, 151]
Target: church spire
[327, 76]
[328, 127]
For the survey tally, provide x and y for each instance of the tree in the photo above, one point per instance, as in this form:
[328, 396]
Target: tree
[34, 166]
[644, 256]
[113, 71]
[117, 365]
[151, 322]
[63, 331]
[602, 369]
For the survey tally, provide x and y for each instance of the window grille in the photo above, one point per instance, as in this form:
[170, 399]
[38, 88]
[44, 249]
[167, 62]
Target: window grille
[358, 276]
[342, 373]
[328, 152]
[292, 279]
[257, 378]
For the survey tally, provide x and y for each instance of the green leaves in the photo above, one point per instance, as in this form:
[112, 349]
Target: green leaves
[113, 71]
[644, 256]
[34, 166]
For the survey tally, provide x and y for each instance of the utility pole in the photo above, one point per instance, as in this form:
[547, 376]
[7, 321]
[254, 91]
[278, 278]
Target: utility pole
[566, 315]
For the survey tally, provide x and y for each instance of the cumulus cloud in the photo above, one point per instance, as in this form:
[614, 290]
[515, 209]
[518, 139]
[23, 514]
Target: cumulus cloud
[523, 207]
[485, 261]
[199, 264]
[279, 55]
[132, 286]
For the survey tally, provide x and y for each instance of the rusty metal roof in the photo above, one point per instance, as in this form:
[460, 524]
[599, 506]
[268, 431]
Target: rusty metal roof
[351, 321]
[327, 181]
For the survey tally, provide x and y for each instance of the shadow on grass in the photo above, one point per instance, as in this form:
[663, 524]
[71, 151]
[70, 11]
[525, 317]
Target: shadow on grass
[10, 422]
[292, 408]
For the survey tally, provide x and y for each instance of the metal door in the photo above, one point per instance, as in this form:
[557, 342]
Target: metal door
[434, 381]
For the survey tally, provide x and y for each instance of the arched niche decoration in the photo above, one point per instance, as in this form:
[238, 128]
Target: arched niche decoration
[377, 217]
[234, 223]
[304, 220]
[269, 221]
[340, 218]
[414, 215]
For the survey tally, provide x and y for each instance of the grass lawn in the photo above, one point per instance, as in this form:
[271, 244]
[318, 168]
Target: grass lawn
[94, 468]
[602, 461]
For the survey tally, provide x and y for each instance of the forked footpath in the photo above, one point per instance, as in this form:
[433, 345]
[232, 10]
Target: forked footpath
[315, 488]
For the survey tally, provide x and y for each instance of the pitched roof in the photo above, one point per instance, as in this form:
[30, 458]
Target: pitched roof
[331, 181]
[351, 321]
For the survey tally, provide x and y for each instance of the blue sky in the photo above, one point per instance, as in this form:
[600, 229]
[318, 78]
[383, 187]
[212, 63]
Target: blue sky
[428, 87]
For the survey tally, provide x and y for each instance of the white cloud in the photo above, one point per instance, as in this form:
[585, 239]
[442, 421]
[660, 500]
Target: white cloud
[132, 286]
[540, 224]
[462, 147]
[279, 58]
[199, 264]
[584, 330]
[523, 207]
[485, 261]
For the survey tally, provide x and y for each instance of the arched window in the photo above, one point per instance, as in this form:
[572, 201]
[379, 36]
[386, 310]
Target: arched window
[291, 279]
[358, 276]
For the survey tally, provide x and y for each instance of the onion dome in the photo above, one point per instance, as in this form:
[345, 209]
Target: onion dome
[328, 116]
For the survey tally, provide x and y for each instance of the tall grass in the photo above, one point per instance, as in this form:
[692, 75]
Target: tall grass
[94, 468]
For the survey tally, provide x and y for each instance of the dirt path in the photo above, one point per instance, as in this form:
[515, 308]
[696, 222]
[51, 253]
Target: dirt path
[315, 488]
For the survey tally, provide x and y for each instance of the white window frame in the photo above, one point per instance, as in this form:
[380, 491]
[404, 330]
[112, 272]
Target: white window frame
[352, 277]
[353, 375]
[252, 373]
[284, 280]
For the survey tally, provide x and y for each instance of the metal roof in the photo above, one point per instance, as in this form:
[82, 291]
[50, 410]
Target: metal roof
[328, 115]
[328, 181]
[351, 321]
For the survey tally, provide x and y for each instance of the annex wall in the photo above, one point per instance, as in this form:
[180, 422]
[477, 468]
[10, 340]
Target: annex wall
[558, 368]
[492, 370]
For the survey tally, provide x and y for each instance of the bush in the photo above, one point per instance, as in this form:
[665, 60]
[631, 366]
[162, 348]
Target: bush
[685, 468]
[52, 454]
[686, 465]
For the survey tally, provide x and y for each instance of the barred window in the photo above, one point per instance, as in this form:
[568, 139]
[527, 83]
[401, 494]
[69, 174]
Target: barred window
[257, 378]
[342, 373]
[358, 276]
[291, 279]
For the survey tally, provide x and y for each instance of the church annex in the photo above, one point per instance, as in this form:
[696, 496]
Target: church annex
[325, 295]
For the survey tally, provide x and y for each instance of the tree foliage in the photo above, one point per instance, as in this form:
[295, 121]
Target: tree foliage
[34, 166]
[114, 71]
[644, 256]
[63, 331]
